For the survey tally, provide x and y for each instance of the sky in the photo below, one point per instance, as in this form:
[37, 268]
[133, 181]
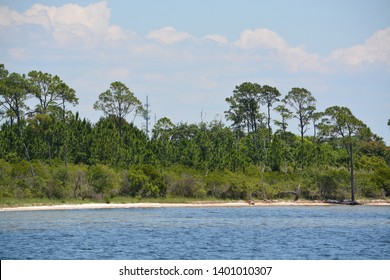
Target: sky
[188, 56]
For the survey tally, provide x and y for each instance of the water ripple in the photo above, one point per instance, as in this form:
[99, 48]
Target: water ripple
[198, 233]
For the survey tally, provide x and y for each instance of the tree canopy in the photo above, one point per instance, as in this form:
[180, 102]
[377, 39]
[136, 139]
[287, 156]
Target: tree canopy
[303, 104]
[340, 123]
[48, 150]
[119, 101]
[244, 107]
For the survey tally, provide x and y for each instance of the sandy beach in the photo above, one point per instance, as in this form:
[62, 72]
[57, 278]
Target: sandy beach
[193, 204]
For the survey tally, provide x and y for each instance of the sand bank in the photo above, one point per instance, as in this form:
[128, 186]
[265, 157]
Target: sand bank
[194, 204]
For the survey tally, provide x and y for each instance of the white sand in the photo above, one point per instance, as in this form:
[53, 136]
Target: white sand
[196, 204]
[120, 205]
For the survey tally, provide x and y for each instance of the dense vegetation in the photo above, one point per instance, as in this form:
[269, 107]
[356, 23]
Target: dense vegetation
[48, 151]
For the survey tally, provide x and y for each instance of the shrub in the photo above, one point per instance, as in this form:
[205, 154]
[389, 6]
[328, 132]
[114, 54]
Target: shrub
[103, 179]
[381, 179]
[216, 184]
[333, 184]
[370, 163]
[5, 179]
[238, 188]
[55, 189]
[156, 186]
[132, 182]
[78, 180]
[143, 180]
[188, 186]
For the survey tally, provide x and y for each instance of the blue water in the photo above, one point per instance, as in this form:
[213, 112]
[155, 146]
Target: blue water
[331, 232]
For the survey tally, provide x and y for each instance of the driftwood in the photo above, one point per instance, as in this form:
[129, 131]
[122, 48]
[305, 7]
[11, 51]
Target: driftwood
[96, 196]
[343, 202]
[296, 193]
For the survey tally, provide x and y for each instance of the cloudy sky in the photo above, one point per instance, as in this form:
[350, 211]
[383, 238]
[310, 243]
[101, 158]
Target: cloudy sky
[188, 56]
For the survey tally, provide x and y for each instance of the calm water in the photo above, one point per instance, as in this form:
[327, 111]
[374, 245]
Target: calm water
[333, 232]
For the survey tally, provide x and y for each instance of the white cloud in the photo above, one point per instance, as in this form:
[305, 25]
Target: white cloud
[260, 38]
[168, 35]
[217, 38]
[69, 23]
[375, 49]
[296, 58]
[89, 26]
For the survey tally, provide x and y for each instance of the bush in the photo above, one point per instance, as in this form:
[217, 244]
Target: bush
[333, 184]
[381, 179]
[365, 187]
[155, 186]
[5, 179]
[278, 185]
[55, 189]
[370, 163]
[103, 179]
[77, 179]
[20, 170]
[238, 187]
[216, 184]
[133, 182]
[143, 180]
[188, 186]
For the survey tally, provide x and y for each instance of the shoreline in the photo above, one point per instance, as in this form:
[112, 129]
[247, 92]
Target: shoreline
[91, 206]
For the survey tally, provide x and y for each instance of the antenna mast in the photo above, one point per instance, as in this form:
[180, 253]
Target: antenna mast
[147, 116]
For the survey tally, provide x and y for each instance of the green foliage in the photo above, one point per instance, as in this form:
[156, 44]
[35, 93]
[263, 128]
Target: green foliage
[144, 181]
[244, 107]
[217, 184]
[103, 180]
[381, 179]
[333, 184]
[303, 105]
[47, 151]
[367, 187]
[188, 186]
[119, 101]
[6, 189]
[370, 163]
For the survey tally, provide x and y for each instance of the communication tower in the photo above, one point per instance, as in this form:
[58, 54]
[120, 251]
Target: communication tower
[147, 116]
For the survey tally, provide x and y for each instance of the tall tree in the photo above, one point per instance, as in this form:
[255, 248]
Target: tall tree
[80, 132]
[14, 93]
[285, 114]
[162, 134]
[269, 95]
[66, 95]
[3, 88]
[316, 117]
[244, 107]
[119, 101]
[340, 123]
[303, 104]
[51, 92]
[52, 95]
[42, 89]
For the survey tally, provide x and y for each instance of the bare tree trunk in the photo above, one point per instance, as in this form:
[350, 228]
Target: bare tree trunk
[28, 158]
[352, 173]
[21, 139]
[66, 135]
[269, 124]
[262, 181]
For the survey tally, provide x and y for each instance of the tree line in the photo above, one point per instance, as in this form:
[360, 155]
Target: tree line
[47, 150]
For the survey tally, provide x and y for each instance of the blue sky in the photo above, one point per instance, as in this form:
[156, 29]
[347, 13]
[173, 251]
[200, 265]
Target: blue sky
[188, 56]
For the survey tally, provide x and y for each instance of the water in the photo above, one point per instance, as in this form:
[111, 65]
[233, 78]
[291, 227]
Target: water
[331, 232]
